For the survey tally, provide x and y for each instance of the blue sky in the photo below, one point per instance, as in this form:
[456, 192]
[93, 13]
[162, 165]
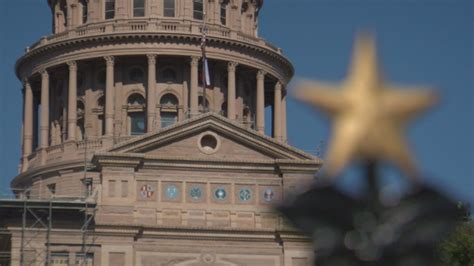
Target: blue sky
[427, 42]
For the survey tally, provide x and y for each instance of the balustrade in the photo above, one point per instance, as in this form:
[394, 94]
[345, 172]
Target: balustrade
[160, 26]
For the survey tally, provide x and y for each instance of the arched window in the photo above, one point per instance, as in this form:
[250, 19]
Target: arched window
[136, 114]
[169, 75]
[223, 111]
[63, 8]
[100, 116]
[138, 8]
[80, 129]
[109, 9]
[169, 6]
[169, 110]
[85, 10]
[201, 104]
[224, 13]
[198, 9]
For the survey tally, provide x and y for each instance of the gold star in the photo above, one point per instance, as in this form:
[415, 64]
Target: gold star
[368, 116]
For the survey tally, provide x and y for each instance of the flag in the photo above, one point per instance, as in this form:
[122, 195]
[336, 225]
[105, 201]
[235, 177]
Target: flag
[205, 65]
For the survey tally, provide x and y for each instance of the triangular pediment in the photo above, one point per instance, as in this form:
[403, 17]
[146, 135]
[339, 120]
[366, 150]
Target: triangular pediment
[210, 136]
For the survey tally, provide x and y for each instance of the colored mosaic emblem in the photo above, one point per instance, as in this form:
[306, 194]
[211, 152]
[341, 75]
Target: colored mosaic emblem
[146, 191]
[220, 194]
[268, 194]
[245, 194]
[172, 192]
[195, 193]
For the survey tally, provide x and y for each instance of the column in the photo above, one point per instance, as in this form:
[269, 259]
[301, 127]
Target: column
[109, 97]
[151, 94]
[28, 119]
[261, 102]
[74, 15]
[72, 102]
[284, 132]
[194, 86]
[231, 67]
[44, 125]
[277, 112]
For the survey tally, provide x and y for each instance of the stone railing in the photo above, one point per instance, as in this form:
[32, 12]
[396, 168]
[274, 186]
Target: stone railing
[150, 26]
[55, 149]
[89, 144]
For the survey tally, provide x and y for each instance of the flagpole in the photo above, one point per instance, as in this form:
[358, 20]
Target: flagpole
[203, 48]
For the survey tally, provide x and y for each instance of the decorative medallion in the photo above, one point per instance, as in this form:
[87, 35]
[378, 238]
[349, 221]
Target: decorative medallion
[220, 193]
[146, 192]
[195, 193]
[268, 195]
[245, 194]
[172, 192]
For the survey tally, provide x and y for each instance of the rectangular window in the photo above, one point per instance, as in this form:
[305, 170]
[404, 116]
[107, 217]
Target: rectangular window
[168, 119]
[137, 120]
[109, 9]
[111, 188]
[169, 6]
[59, 259]
[138, 8]
[198, 9]
[223, 14]
[87, 260]
[124, 188]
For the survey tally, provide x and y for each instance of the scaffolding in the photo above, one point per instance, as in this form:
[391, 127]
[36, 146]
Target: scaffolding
[37, 222]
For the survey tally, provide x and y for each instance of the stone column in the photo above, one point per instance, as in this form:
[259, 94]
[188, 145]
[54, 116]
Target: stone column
[284, 132]
[151, 94]
[277, 112]
[74, 15]
[72, 102]
[28, 120]
[261, 102]
[109, 96]
[194, 86]
[44, 126]
[231, 67]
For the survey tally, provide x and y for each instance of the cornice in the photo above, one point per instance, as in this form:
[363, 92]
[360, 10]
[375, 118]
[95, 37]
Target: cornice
[219, 123]
[47, 169]
[200, 233]
[268, 55]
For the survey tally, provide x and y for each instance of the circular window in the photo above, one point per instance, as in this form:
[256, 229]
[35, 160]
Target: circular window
[245, 194]
[209, 143]
[195, 193]
[220, 194]
[172, 192]
[268, 194]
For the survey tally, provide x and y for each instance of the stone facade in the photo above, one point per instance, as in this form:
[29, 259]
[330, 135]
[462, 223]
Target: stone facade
[116, 115]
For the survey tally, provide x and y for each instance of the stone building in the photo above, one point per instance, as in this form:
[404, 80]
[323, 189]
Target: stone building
[129, 160]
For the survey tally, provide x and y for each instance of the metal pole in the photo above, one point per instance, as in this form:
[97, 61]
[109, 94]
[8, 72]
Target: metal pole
[84, 231]
[203, 44]
[48, 236]
[23, 226]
